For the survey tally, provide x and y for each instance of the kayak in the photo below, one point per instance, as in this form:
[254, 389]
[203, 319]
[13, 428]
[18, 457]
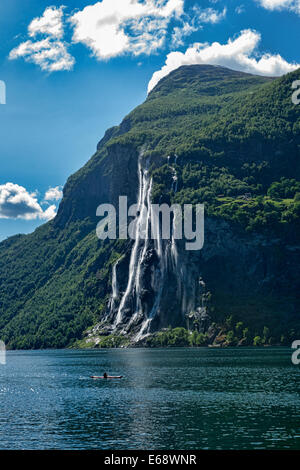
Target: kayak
[108, 377]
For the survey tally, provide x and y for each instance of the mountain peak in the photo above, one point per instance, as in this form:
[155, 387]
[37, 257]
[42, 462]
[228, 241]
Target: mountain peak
[206, 79]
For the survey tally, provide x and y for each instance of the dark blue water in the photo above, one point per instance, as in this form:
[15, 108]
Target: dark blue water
[168, 399]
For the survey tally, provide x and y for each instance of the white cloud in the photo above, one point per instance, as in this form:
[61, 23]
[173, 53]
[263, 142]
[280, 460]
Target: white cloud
[51, 23]
[180, 32]
[53, 194]
[291, 5]
[193, 23]
[209, 15]
[51, 56]
[49, 213]
[113, 27]
[237, 54]
[110, 28]
[17, 203]
[274, 4]
[50, 52]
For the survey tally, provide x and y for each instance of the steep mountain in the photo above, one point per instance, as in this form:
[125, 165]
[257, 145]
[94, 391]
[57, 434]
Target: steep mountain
[207, 135]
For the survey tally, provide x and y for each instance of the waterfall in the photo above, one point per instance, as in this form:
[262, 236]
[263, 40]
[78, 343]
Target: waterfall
[158, 278]
[115, 287]
[167, 254]
[144, 252]
[140, 245]
[128, 307]
[146, 323]
[132, 296]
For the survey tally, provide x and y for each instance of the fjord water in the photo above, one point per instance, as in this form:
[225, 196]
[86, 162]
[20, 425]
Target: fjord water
[168, 399]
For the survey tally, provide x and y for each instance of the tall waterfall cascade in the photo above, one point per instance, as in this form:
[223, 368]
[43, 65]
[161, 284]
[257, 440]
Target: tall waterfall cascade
[139, 248]
[154, 263]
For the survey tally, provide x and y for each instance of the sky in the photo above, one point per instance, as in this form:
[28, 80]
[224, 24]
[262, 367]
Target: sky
[70, 70]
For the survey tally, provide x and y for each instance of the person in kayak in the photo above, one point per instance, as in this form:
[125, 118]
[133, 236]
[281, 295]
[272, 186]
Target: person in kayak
[105, 375]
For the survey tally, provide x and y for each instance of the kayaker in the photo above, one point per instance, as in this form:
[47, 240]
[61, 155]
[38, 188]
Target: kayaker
[105, 375]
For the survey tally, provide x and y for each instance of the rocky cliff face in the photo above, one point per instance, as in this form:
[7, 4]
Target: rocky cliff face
[158, 283]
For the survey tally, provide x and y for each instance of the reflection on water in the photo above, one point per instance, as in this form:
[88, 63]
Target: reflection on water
[168, 399]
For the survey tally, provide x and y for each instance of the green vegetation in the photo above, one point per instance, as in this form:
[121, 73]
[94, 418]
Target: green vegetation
[220, 335]
[57, 283]
[255, 207]
[257, 341]
[177, 337]
[172, 337]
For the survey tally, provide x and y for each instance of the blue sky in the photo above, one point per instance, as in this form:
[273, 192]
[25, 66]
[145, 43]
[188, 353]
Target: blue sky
[75, 68]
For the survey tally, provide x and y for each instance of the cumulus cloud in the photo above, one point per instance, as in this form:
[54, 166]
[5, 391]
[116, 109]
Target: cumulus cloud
[291, 5]
[54, 194]
[238, 54]
[51, 56]
[50, 51]
[113, 27]
[110, 28]
[17, 203]
[50, 23]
